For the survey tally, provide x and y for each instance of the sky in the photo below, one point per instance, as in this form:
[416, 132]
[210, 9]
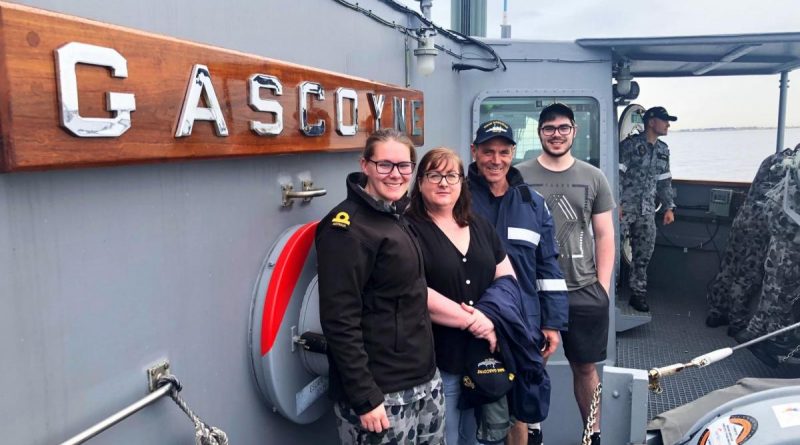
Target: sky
[698, 102]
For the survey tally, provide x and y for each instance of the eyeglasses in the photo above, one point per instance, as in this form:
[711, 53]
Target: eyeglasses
[386, 167]
[549, 130]
[436, 178]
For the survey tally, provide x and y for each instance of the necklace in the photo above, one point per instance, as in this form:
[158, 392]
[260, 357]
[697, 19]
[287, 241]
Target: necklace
[444, 223]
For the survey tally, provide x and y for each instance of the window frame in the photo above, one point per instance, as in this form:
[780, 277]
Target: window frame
[596, 154]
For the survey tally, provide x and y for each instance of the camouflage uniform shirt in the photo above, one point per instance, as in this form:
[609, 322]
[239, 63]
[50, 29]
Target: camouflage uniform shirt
[644, 173]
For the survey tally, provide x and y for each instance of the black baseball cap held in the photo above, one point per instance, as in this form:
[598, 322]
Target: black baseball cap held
[493, 129]
[658, 112]
[486, 378]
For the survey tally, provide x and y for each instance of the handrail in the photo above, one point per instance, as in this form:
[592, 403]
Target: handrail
[119, 415]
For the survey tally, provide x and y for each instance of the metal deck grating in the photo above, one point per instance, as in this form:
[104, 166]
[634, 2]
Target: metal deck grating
[677, 333]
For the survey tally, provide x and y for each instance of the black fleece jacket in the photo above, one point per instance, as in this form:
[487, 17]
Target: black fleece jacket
[373, 300]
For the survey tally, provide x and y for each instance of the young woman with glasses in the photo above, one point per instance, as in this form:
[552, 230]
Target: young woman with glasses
[373, 306]
[463, 256]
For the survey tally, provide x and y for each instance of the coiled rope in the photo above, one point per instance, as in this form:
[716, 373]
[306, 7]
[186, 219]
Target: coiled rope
[204, 434]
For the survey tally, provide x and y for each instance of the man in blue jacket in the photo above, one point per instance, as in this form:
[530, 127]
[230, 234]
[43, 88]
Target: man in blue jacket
[525, 226]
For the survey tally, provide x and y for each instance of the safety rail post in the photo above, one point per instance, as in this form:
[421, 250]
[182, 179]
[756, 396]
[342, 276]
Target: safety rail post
[784, 85]
[624, 402]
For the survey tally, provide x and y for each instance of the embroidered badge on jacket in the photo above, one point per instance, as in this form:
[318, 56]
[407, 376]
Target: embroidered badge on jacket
[341, 220]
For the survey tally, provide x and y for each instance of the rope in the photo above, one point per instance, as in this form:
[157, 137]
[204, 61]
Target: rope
[204, 434]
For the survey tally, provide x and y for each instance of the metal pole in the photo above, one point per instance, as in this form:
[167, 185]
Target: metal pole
[425, 6]
[505, 28]
[784, 85]
[466, 15]
[469, 17]
[408, 62]
[118, 416]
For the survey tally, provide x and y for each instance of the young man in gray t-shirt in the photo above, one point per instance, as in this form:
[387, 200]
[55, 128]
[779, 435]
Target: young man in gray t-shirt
[581, 203]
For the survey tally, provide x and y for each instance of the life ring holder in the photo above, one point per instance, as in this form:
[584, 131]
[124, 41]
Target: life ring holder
[285, 305]
[630, 121]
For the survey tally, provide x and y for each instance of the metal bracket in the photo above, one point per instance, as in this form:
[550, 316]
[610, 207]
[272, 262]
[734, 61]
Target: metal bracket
[306, 195]
[155, 372]
[295, 338]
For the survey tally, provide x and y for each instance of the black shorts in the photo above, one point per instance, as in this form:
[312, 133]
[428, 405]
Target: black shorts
[586, 340]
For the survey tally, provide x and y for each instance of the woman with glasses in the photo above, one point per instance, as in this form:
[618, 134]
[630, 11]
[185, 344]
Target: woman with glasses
[373, 306]
[463, 256]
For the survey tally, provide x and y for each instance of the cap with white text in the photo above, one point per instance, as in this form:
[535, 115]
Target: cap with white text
[493, 129]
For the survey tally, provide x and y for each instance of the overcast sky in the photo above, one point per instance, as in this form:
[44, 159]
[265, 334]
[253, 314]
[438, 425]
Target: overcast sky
[704, 102]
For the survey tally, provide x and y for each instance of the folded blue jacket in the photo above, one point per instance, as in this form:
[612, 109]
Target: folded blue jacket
[529, 399]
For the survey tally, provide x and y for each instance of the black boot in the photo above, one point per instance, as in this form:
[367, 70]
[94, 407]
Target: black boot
[639, 302]
[734, 329]
[764, 352]
[744, 336]
[715, 319]
[595, 439]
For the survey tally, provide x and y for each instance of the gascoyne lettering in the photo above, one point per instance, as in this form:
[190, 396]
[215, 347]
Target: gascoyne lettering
[130, 96]
[200, 87]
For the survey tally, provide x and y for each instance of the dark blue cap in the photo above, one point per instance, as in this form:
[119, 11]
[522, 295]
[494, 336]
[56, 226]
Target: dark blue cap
[493, 129]
[659, 113]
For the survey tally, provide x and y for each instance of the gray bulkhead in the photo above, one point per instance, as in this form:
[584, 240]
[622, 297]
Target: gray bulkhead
[105, 271]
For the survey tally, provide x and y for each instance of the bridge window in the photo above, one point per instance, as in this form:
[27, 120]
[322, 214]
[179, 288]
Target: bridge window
[522, 113]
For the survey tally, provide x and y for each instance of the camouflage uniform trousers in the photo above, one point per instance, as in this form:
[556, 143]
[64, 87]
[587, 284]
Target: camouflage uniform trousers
[780, 289]
[738, 281]
[642, 232]
[416, 417]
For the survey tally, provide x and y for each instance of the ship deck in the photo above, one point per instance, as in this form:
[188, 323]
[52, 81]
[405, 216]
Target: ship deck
[677, 333]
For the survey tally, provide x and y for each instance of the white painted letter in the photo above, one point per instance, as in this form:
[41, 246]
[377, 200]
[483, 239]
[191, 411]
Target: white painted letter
[305, 89]
[416, 129]
[256, 83]
[200, 84]
[376, 101]
[399, 109]
[341, 95]
[119, 104]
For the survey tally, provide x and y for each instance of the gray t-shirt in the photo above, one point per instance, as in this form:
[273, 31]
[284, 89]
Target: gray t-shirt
[573, 196]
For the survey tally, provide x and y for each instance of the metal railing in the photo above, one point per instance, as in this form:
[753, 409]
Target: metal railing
[119, 415]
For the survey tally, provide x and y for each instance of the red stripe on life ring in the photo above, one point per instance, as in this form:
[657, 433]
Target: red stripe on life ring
[283, 281]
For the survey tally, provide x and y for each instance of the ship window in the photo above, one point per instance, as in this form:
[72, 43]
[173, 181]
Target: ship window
[522, 113]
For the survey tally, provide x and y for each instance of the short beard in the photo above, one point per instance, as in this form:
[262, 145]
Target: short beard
[554, 154]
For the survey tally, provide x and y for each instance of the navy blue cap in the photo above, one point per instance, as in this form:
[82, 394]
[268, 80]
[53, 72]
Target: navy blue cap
[493, 129]
[658, 112]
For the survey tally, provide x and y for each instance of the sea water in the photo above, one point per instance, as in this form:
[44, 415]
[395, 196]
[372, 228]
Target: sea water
[723, 155]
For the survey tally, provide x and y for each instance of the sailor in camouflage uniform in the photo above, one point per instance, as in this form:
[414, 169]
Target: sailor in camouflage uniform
[644, 173]
[738, 281]
[781, 286]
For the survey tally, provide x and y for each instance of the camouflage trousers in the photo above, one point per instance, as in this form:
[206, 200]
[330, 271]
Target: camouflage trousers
[416, 417]
[738, 281]
[780, 289]
[641, 229]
